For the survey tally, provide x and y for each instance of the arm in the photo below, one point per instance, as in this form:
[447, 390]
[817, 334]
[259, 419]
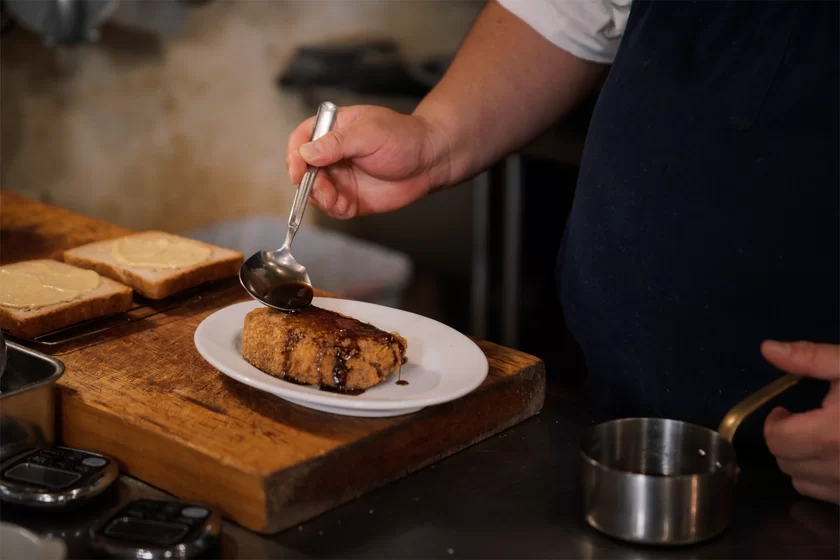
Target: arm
[509, 81]
[506, 85]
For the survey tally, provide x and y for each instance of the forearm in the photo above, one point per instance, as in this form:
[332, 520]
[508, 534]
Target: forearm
[506, 85]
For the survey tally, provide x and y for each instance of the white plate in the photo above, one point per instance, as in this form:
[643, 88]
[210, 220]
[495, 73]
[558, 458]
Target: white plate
[442, 364]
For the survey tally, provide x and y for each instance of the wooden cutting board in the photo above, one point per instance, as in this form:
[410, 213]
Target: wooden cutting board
[141, 393]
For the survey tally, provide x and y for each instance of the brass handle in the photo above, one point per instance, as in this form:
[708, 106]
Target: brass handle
[743, 409]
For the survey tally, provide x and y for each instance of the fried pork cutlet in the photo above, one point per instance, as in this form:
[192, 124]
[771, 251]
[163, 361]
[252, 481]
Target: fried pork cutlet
[315, 346]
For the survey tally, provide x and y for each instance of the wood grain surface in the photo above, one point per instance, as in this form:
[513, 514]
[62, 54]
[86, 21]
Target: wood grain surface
[141, 393]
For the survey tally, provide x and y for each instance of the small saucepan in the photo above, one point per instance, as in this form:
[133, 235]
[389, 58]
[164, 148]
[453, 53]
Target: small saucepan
[664, 482]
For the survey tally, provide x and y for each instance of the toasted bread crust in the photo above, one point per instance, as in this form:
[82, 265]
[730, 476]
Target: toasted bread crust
[319, 347]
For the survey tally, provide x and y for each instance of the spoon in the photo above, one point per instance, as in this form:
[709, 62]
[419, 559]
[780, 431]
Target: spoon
[275, 278]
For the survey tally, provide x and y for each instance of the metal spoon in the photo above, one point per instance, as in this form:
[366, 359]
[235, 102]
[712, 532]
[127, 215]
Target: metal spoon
[275, 278]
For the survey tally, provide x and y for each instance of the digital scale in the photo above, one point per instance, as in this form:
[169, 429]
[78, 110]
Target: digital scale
[56, 477]
[62, 478]
[153, 528]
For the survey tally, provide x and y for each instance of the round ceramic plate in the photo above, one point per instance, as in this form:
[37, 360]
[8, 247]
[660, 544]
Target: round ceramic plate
[442, 364]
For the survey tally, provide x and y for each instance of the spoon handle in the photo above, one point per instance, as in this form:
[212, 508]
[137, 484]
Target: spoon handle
[324, 120]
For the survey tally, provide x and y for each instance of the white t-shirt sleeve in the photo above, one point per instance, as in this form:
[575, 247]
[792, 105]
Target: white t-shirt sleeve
[588, 29]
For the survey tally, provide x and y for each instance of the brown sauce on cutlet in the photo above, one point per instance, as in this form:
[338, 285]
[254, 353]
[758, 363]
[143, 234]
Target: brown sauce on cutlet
[399, 375]
[288, 345]
[342, 355]
[345, 332]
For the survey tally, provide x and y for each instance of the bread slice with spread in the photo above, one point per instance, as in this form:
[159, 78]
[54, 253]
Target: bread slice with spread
[40, 296]
[157, 264]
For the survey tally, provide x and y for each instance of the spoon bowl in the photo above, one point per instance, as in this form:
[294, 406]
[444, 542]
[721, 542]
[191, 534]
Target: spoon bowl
[275, 278]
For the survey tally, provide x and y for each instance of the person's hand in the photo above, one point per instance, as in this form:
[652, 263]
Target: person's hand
[807, 445]
[374, 160]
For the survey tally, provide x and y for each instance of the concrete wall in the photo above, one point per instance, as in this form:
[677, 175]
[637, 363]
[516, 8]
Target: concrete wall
[182, 132]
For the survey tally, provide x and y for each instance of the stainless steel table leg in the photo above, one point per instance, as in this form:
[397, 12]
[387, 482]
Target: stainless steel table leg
[512, 251]
[480, 269]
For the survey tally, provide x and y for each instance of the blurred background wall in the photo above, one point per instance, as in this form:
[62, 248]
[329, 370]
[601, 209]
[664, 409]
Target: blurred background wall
[182, 131]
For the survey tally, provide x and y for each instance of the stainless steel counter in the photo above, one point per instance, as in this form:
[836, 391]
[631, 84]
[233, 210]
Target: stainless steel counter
[513, 496]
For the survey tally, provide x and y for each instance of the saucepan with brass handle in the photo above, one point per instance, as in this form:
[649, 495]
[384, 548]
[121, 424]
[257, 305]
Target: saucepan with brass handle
[664, 482]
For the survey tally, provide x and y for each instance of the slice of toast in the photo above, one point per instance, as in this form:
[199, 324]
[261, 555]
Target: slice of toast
[156, 283]
[108, 298]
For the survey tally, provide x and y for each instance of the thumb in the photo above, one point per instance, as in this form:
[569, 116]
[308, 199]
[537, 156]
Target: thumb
[821, 361]
[333, 147]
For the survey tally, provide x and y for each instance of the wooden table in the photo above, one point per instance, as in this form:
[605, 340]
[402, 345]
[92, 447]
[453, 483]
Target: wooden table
[141, 393]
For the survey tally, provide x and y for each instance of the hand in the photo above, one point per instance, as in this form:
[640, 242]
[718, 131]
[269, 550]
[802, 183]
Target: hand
[807, 445]
[375, 160]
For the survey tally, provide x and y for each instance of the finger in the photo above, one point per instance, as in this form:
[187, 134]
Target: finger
[776, 439]
[345, 206]
[328, 199]
[823, 470]
[802, 436]
[335, 146]
[825, 492]
[299, 136]
[832, 399]
[343, 209]
[351, 211]
[324, 193]
[342, 204]
[804, 358]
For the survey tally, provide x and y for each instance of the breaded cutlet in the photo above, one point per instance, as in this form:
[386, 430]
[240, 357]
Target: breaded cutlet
[315, 346]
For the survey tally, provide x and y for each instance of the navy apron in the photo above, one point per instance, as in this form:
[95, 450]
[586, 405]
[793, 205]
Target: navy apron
[706, 213]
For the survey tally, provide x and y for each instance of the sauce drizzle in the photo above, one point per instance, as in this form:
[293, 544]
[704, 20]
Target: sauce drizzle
[342, 335]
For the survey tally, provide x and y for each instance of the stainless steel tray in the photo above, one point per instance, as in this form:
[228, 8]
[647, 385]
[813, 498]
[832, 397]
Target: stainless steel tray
[27, 400]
